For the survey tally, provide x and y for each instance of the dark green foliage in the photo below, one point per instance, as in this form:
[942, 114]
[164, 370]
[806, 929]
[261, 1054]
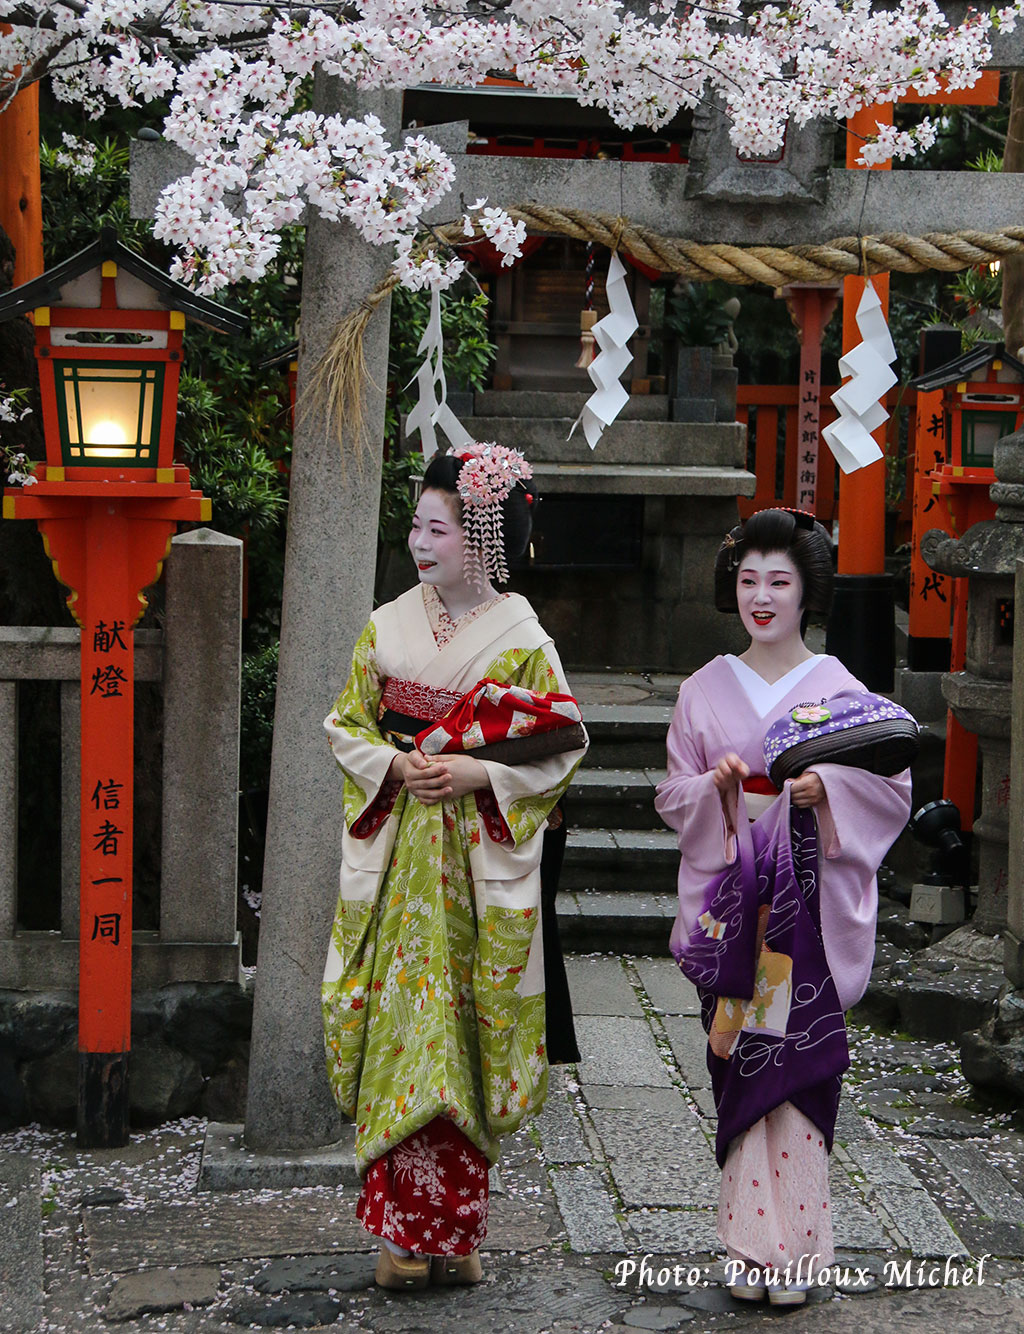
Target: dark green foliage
[76, 207]
[695, 316]
[259, 685]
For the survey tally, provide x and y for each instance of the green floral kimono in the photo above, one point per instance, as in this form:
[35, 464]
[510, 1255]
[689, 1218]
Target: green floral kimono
[433, 993]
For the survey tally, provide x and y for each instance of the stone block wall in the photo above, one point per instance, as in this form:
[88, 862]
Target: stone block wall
[657, 617]
[190, 1054]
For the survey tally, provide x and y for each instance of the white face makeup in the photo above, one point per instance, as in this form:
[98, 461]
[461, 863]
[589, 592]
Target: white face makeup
[769, 592]
[436, 541]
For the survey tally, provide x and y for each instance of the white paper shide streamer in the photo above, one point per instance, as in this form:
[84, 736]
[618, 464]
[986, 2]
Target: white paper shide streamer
[611, 334]
[858, 401]
[432, 408]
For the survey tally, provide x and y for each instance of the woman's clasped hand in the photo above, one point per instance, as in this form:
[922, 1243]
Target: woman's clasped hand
[431, 781]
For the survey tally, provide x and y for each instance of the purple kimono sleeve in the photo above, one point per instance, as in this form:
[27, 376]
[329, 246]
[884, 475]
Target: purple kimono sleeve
[688, 801]
[859, 821]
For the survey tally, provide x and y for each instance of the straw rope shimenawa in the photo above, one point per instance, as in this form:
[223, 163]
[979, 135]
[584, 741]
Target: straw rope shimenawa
[335, 385]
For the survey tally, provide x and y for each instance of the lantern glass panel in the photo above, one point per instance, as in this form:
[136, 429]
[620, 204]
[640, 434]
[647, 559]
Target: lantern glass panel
[979, 433]
[109, 411]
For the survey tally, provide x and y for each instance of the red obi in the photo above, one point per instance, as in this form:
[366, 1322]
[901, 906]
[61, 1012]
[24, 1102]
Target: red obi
[405, 708]
[424, 704]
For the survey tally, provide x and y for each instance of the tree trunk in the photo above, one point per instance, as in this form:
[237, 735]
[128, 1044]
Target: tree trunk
[1012, 267]
[328, 595]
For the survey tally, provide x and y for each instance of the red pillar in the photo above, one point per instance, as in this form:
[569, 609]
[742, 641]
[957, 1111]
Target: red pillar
[862, 493]
[861, 630]
[21, 206]
[106, 547]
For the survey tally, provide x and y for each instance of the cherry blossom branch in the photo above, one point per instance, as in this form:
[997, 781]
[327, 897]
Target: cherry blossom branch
[233, 74]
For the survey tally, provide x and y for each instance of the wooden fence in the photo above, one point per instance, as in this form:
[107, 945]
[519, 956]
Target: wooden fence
[771, 415]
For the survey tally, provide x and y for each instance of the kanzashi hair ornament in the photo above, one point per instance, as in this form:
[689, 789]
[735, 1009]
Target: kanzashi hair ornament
[803, 518]
[729, 542]
[488, 474]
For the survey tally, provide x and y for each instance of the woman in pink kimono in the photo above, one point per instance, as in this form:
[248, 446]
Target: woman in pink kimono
[777, 1103]
[433, 993]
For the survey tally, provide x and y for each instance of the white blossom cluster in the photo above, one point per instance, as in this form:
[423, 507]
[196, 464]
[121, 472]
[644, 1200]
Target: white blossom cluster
[77, 156]
[17, 466]
[237, 80]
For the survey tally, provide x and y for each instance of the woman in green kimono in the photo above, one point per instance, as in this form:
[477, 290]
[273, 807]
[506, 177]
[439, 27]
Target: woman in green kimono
[433, 993]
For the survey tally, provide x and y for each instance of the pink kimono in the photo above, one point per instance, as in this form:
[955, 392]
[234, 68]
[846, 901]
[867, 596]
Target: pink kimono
[774, 1205]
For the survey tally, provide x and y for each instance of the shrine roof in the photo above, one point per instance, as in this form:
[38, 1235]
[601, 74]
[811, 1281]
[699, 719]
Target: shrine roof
[46, 289]
[280, 358]
[960, 367]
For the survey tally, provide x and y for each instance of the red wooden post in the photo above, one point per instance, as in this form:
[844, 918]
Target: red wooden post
[107, 541]
[811, 306]
[21, 205]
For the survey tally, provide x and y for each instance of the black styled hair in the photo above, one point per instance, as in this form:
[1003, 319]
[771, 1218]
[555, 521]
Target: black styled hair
[795, 533]
[516, 509]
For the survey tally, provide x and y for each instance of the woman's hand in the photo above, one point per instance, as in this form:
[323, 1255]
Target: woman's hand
[466, 774]
[729, 773]
[431, 781]
[807, 790]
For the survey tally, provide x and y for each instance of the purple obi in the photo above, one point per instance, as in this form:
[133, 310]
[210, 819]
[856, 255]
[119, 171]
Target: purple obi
[776, 1032]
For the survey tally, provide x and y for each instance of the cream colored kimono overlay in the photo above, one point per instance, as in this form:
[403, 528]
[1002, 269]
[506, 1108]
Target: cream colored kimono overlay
[433, 990]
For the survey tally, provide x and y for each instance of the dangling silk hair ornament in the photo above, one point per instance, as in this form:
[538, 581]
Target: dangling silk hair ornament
[432, 402]
[611, 334]
[488, 474]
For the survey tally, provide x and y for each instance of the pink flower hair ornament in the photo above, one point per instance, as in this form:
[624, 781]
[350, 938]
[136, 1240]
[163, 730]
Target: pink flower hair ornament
[488, 475]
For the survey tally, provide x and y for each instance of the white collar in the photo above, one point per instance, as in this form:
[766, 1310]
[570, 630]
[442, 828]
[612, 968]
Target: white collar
[764, 696]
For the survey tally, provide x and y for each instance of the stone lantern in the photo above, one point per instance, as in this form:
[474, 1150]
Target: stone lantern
[980, 695]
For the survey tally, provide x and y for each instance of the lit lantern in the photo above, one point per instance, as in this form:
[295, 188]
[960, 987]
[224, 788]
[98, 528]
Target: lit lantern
[108, 328]
[107, 501]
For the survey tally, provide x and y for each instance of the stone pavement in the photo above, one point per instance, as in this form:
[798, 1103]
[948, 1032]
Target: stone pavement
[616, 1177]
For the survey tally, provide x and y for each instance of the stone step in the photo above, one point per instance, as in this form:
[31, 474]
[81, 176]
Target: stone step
[657, 443]
[545, 403]
[621, 479]
[626, 736]
[616, 920]
[624, 861]
[614, 799]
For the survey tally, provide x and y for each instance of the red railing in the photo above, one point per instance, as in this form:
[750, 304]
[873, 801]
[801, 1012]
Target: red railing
[771, 416]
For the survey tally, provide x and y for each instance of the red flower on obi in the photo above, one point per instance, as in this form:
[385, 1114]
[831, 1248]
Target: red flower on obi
[527, 913]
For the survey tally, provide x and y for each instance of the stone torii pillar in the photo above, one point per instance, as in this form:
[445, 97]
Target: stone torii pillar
[328, 589]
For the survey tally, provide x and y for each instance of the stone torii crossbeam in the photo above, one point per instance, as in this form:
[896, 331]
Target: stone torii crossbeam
[334, 500]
